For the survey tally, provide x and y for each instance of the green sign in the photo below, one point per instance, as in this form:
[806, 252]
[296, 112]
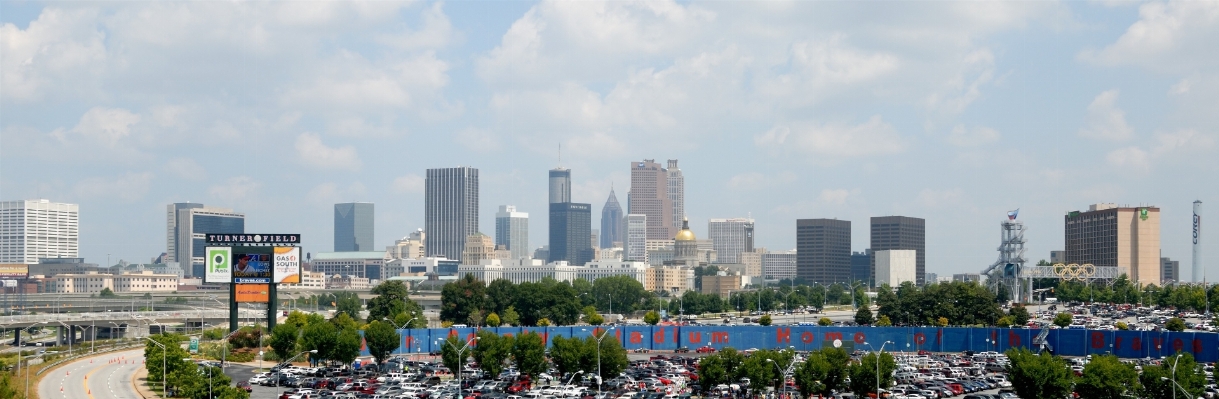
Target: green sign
[194, 345]
[1143, 213]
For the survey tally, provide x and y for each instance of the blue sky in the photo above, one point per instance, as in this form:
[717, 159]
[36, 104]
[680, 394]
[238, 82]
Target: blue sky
[955, 112]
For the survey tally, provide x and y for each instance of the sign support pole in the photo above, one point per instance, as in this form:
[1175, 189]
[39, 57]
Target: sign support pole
[233, 307]
[272, 313]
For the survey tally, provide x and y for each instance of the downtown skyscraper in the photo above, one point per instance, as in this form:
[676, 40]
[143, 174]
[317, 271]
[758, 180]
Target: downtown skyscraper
[823, 250]
[451, 210]
[353, 227]
[33, 229]
[649, 196]
[730, 238]
[900, 232]
[187, 225]
[512, 231]
[612, 220]
[677, 192]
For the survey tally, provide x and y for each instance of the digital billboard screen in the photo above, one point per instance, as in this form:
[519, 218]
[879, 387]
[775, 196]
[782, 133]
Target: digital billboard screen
[253, 293]
[14, 270]
[219, 265]
[287, 265]
[252, 265]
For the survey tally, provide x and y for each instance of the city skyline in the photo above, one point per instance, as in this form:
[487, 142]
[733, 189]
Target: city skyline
[950, 112]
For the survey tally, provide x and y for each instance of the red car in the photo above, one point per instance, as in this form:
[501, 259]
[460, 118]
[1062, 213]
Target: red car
[245, 385]
[706, 349]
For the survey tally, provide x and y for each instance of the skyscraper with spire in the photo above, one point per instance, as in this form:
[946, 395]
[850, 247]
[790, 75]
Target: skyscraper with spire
[611, 222]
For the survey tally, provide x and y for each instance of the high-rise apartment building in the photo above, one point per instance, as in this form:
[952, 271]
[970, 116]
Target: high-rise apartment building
[560, 185]
[512, 231]
[33, 229]
[189, 224]
[636, 245]
[451, 210]
[612, 229]
[730, 238]
[570, 229]
[823, 250]
[1109, 235]
[650, 196]
[1170, 271]
[900, 232]
[353, 227]
[677, 192]
[861, 266]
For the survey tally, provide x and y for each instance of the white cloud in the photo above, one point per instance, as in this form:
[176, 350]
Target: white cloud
[478, 140]
[235, 189]
[838, 196]
[56, 50]
[409, 184]
[107, 125]
[186, 169]
[128, 187]
[754, 181]
[1171, 36]
[931, 198]
[1131, 157]
[330, 193]
[834, 140]
[1167, 146]
[311, 151]
[970, 137]
[1105, 121]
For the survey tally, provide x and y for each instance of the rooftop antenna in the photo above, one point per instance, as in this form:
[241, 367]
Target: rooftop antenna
[560, 155]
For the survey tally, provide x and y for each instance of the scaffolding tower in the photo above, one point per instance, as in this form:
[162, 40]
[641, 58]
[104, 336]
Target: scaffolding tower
[1008, 270]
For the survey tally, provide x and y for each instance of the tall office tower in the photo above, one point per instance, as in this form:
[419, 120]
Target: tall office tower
[560, 185]
[353, 227]
[635, 246]
[32, 229]
[900, 232]
[570, 228]
[451, 215]
[478, 248]
[823, 250]
[595, 238]
[512, 231]
[650, 196]
[190, 224]
[730, 238]
[677, 192]
[779, 265]
[861, 266]
[1170, 271]
[1109, 235]
[611, 222]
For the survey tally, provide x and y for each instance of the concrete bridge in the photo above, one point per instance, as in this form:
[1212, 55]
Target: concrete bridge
[78, 327]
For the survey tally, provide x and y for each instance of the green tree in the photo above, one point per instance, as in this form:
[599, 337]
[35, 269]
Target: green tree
[393, 300]
[461, 298]
[764, 320]
[510, 317]
[492, 352]
[1175, 324]
[825, 321]
[320, 336]
[452, 353]
[1020, 315]
[864, 316]
[761, 370]
[107, 293]
[1158, 381]
[194, 383]
[568, 354]
[7, 390]
[1106, 377]
[613, 356]
[348, 303]
[382, 339]
[543, 322]
[884, 322]
[172, 356]
[347, 346]
[591, 317]
[719, 368]
[492, 320]
[1005, 321]
[651, 317]
[296, 318]
[622, 294]
[1063, 319]
[823, 372]
[547, 299]
[1121, 325]
[1039, 375]
[501, 294]
[864, 373]
[529, 352]
[283, 340]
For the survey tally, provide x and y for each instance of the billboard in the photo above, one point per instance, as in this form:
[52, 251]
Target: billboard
[218, 267]
[238, 239]
[14, 270]
[252, 265]
[257, 293]
[287, 265]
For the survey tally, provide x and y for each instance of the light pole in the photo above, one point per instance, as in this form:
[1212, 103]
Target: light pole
[402, 327]
[224, 354]
[278, 388]
[854, 303]
[603, 334]
[573, 376]
[461, 360]
[164, 353]
[881, 352]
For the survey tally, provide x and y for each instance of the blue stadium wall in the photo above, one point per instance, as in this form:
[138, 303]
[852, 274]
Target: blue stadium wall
[1127, 344]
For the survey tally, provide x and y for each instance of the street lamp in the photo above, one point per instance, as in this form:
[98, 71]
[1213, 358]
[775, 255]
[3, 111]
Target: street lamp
[278, 388]
[573, 376]
[603, 334]
[164, 353]
[402, 327]
[881, 352]
[461, 360]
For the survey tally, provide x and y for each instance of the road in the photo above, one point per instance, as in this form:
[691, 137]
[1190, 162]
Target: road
[101, 377]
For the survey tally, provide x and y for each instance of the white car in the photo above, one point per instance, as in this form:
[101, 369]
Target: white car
[258, 379]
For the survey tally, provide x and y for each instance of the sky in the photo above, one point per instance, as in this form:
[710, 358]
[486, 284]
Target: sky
[951, 111]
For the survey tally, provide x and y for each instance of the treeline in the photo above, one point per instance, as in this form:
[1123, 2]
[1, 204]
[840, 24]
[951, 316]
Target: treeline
[527, 353]
[821, 372]
[183, 376]
[1105, 376]
[1183, 296]
[955, 303]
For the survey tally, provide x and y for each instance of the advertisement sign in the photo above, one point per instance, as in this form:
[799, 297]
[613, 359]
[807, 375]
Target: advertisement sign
[14, 270]
[287, 265]
[255, 293]
[251, 265]
[194, 345]
[218, 267]
[237, 239]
